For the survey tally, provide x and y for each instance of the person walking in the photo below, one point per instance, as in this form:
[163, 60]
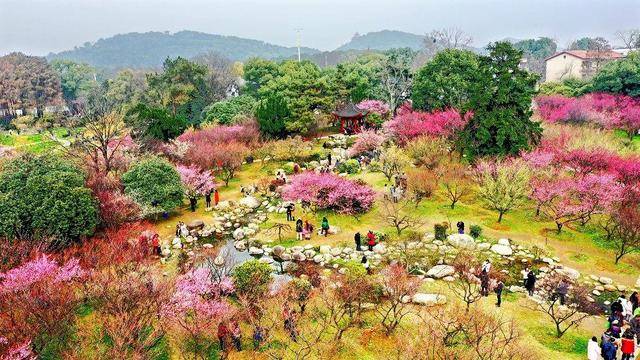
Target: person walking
[460, 226]
[486, 266]
[609, 350]
[299, 229]
[329, 158]
[593, 349]
[561, 291]
[371, 240]
[258, 336]
[289, 323]
[498, 290]
[207, 199]
[289, 209]
[324, 228]
[628, 345]
[236, 335]
[216, 197]
[484, 283]
[223, 334]
[308, 230]
[530, 283]
[155, 242]
[365, 264]
[635, 301]
[358, 239]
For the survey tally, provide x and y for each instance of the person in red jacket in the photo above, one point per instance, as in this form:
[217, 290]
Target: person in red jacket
[223, 334]
[628, 345]
[216, 197]
[371, 240]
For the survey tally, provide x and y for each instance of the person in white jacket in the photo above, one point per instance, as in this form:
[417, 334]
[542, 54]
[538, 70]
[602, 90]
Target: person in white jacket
[593, 349]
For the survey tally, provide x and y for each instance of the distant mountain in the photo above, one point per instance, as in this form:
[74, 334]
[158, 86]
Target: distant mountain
[148, 50]
[332, 58]
[384, 40]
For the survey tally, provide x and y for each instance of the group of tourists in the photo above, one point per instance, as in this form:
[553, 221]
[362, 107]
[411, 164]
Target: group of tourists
[622, 333]
[304, 229]
[397, 189]
[230, 335]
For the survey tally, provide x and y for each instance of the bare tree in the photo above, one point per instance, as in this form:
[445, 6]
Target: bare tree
[467, 285]
[398, 287]
[99, 140]
[455, 183]
[578, 302]
[447, 38]
[278, 228]
[401, 215]
[630, 38]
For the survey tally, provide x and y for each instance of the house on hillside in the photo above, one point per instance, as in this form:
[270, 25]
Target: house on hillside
[580, 64]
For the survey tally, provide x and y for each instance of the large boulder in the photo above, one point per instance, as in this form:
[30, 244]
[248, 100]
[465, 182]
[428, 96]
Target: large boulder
[500, 249]
[573, 274]
[249, 202]
[440, 271]
[379, 249]
[325, 249]
[461, 241]
[195, 225]
[238, 234]
[255, 251]
[428, 299]
[278, 251]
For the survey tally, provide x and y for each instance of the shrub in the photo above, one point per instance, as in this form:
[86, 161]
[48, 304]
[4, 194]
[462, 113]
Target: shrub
[329, 191]
[351, 166]
[288, 168]
[41, 197]
[475, 231]
[155, 185]
[426, 151]
[252, 279]
[440, 231]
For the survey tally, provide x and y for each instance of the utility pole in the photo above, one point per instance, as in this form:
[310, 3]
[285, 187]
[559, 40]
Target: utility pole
[298, 40]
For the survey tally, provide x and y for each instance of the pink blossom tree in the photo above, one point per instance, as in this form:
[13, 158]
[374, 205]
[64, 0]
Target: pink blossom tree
[367, 141]
[569, 199]
[197, 306]
[38, 297]
[374, 106]
[197, 182]
[329, 191]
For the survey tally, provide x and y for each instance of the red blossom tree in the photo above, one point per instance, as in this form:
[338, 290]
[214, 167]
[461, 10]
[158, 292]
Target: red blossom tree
[410, 125]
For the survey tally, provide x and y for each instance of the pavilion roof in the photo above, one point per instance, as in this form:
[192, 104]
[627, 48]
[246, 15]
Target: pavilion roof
[349, 110]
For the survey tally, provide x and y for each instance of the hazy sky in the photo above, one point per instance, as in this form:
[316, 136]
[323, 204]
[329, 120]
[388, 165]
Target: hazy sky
[41, 26]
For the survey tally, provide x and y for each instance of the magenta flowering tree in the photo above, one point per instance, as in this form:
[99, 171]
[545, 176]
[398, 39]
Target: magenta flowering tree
[197, 306]
[414, 124]
[629, 118]
[553, 108]
[197, 182]
[604, 110]
[38, 297]
[367, 140]
[569, 199]
[329, 191]
[374, 106]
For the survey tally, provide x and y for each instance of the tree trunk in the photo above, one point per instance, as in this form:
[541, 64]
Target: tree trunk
[500, 216]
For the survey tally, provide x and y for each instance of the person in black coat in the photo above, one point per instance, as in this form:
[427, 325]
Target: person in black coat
[358, 239]
[498, 290]
[530, 283]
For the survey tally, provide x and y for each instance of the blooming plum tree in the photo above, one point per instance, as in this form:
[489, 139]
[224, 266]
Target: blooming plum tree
[329, 191]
